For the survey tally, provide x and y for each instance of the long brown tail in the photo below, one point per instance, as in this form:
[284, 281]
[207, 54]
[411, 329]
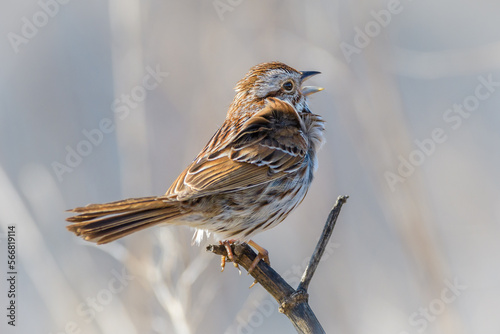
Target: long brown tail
[103, 223]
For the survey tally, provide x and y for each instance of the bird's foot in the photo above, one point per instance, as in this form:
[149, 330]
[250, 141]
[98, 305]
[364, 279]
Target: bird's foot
[227, 244]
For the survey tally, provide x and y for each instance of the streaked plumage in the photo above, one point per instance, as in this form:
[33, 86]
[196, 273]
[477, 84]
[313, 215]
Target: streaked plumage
[256, 168]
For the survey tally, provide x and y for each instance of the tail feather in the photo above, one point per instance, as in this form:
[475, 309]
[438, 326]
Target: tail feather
[98, 210]
[103, 223]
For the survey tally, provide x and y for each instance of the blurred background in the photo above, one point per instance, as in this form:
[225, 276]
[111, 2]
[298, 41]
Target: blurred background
[104, 100]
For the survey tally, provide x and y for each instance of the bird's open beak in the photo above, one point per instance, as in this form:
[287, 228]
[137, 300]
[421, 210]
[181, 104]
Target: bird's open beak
[308, 90]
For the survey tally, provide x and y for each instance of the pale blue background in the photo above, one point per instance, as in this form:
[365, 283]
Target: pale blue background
[393, 252]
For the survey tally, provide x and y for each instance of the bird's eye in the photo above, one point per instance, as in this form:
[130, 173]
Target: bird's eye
[288, 86]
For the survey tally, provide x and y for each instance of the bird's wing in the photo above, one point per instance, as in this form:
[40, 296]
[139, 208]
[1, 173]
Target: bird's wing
[268, 146]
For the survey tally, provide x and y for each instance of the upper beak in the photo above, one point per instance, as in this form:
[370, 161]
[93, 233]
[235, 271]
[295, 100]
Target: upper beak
[308, 90]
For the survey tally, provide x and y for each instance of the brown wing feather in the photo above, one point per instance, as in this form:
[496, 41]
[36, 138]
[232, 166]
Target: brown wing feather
[269, 145]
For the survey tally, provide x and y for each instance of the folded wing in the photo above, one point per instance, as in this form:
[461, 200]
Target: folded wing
[268, 146]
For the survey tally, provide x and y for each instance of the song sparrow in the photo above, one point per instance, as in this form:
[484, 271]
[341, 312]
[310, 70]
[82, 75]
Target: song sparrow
[253, 172]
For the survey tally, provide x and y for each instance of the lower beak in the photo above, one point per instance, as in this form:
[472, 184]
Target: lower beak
[308, 90]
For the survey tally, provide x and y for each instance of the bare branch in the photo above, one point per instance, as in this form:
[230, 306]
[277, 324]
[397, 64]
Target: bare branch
[293, 303]
[320, 247]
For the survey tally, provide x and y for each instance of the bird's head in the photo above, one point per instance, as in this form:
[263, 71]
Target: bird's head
[277, 80]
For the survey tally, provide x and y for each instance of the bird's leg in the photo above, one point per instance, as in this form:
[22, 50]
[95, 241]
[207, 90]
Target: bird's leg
[230, 255]
[263, 254]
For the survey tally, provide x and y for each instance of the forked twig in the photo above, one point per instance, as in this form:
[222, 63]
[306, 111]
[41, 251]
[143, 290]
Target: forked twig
[293, 303]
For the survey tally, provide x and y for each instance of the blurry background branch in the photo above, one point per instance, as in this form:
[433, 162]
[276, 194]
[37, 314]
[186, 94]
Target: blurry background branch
[293, 303]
